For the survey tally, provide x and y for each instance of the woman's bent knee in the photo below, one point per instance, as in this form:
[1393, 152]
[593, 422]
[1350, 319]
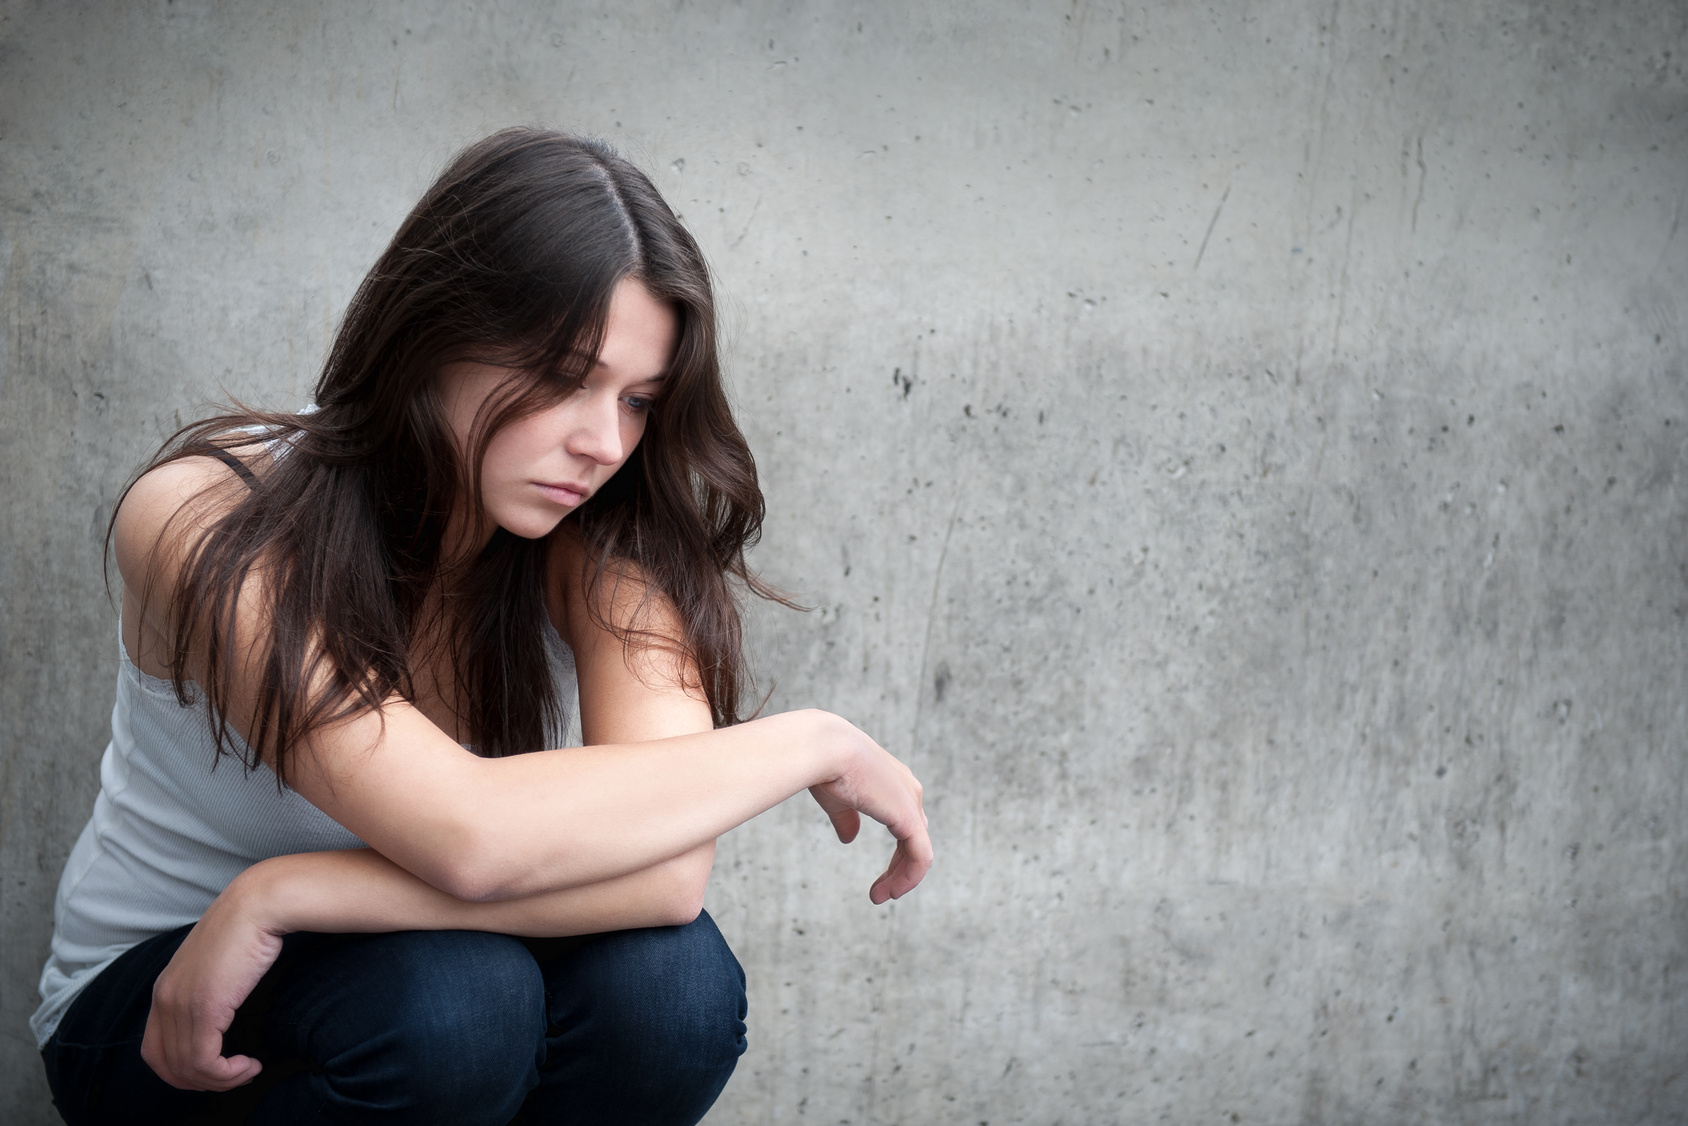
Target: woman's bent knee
[677, 992]
[443, 1026]
[646, 1025]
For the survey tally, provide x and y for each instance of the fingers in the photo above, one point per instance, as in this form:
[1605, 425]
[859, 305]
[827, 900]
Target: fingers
[186, 1052]
[195, 998]
[883, 788]
[210, 1069]
[215, 1073]
[913, 856]
[909, 865]
[225, 1074]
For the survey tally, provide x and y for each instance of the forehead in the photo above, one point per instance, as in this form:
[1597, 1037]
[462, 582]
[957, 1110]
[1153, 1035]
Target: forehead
[640, 333]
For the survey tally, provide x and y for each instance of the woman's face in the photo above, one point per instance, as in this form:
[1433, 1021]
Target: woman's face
[544, 465]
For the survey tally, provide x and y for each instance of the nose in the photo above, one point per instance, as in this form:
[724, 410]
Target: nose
[596, 432]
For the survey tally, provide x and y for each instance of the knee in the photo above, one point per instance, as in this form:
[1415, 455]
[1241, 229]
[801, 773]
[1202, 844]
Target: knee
[468, 999]
[672, 998]
[454, 1027]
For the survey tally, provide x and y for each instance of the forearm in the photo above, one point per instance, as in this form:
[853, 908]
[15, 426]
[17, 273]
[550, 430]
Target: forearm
[237, 940]
[485, 829]
[606, 810]
[359, 890]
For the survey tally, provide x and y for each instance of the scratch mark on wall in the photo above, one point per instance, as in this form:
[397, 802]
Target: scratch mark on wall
[1675, 222]
[6, 272]
[1354, 200]
[747, 222]
[931, 620]
[1312, 161]
[1419, 198]
[1211, 223]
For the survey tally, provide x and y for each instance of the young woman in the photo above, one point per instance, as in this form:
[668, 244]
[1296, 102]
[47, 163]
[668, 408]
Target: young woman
[333, 864]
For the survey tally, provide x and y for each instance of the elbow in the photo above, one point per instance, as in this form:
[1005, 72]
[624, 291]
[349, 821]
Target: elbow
[688, 880]
[684, 905]
[470, 868]
[464, 880]
[682, 911]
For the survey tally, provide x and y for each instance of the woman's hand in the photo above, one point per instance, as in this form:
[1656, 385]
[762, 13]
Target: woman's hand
[877, 784]
[195, 998]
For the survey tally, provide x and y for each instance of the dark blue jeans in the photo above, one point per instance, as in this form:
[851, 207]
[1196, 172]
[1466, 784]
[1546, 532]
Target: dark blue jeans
[451, 1027]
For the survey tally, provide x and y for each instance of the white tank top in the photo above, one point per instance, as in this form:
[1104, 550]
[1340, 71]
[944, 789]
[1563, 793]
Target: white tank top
[172, 826]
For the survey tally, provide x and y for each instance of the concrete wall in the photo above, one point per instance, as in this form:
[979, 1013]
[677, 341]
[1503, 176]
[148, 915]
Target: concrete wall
[1236, 453]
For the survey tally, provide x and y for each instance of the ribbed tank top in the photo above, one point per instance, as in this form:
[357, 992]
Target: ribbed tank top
[172, 826]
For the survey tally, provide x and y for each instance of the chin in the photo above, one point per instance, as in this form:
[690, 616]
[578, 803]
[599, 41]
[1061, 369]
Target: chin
[532, 526]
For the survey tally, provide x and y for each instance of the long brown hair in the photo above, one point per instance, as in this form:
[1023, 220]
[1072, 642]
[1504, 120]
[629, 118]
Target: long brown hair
[509, 258]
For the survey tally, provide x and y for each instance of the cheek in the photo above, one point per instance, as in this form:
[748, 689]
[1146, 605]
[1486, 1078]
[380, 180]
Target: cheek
[632, 431]
[508, 453]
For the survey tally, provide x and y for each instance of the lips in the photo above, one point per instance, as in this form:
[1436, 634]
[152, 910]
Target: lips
[567, 494]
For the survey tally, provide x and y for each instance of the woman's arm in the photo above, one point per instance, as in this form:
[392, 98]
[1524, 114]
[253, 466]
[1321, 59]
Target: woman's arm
[361, 891]
[491, 829]
[504, 828]
[358, 890]
[623, 697]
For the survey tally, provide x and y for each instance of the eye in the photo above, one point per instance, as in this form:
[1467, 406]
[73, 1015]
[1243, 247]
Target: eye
[639, 404]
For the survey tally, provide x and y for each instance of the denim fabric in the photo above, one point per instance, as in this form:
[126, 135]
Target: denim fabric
[453, 1027]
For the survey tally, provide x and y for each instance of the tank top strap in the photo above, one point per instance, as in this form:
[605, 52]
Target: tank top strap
[238, 466]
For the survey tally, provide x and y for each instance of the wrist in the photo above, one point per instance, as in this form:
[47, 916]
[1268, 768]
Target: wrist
[259, 895]
[834, 742]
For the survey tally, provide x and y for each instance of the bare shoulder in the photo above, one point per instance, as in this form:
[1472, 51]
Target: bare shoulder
[163, 513]
[637, 681]
[621, 599]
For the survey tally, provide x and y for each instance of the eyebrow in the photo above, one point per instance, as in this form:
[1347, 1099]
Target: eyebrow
[598, 362]
[659, 377]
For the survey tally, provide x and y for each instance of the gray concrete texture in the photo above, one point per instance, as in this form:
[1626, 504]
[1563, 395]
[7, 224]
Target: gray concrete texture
[1234, 452]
